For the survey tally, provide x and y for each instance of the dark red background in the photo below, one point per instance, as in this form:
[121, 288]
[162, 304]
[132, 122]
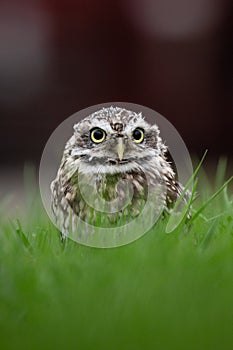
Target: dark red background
[57, 57]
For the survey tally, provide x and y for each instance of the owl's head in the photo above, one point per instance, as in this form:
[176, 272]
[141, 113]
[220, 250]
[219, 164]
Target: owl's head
[115, 140]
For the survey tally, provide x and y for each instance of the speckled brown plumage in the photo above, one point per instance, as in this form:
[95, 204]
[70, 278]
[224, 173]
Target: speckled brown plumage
[137, 168]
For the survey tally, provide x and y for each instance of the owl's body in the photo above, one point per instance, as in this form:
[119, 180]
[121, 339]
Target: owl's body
[111, 165]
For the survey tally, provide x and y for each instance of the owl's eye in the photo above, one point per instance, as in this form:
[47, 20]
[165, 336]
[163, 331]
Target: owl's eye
[98, 135]
[138, 135]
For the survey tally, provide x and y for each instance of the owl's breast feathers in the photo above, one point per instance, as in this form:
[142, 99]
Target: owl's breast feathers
[67, 197]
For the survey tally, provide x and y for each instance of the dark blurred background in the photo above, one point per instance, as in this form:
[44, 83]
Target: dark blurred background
[57, 57]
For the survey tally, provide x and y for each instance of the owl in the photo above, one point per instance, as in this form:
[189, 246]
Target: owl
[111, 165]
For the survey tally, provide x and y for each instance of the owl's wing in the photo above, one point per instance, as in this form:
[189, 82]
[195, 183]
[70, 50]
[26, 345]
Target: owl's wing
[171, 161]
[174, 187]
[63, 196]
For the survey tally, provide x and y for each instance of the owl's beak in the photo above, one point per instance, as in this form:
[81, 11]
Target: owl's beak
[120, 148]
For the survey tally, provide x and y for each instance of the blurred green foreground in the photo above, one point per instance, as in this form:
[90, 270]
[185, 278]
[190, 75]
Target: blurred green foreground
[164, 291]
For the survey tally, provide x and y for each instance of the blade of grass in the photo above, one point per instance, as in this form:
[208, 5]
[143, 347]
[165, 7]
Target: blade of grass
[191, 179]
[210, 200]
[221, 172]
[177, 216]
[206, 241]
[22, 236]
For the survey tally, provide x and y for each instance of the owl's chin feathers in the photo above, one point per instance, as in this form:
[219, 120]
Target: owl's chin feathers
[115, 166]
[111, 167]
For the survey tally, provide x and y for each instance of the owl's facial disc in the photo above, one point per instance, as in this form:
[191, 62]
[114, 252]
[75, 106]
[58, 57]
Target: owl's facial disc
[115, 142]
[117, 150]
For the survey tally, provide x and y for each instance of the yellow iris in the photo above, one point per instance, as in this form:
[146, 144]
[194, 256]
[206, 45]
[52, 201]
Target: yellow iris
[138, 135]
[98, 135]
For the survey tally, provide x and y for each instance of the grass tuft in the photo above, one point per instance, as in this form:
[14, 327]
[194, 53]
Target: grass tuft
[163, 291]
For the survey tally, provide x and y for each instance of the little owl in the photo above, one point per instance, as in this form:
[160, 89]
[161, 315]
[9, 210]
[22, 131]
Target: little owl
[119, 157]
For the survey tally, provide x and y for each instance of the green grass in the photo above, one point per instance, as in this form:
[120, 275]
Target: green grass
[164, 291]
